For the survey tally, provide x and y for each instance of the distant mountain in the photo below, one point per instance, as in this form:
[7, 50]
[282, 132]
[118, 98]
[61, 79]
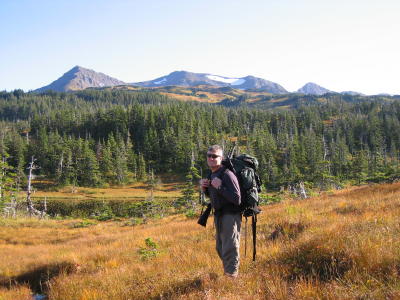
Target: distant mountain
[313, 89]
[183, 78]
[251, 82]
[352, 93]
[79, 78]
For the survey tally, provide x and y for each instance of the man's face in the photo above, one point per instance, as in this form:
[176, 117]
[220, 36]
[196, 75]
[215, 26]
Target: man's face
[214, 159]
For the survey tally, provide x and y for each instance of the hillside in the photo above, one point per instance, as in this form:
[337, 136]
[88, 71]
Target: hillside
[200, 93]
[232, 97]
[341, 245]
[117, 136]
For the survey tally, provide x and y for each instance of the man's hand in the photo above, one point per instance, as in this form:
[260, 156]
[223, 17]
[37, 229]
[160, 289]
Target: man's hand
[216, 183]
[204, 184]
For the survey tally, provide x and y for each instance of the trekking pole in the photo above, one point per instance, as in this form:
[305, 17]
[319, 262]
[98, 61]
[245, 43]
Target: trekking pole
[201, 193]
[245, 238]
[232, 151]
[254, 225]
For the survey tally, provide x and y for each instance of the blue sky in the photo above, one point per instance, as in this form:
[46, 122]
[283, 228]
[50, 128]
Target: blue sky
[341, 45]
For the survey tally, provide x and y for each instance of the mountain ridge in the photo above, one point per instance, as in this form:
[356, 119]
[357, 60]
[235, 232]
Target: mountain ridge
[185, 78]
[79, 78]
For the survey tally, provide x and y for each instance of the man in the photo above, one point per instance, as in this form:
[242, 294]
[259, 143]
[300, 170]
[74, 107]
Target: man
[224, 192]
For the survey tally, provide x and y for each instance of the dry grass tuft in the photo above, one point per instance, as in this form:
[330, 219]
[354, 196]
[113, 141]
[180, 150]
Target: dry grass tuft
[315, 259]
[21, 292]
[287, 230]
[38, 278]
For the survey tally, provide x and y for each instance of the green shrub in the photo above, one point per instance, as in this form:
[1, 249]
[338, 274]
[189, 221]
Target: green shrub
[150, 251]
[83, 224]
[104, 214]
[269, 199]
[191, 214]
[133, 222]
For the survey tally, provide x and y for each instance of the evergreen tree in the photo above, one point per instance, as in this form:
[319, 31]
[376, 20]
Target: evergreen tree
[89, 171]
[7, 181]
[189, 197]
[106, 163]
[359, 166]
[120, 155]
[141, 167]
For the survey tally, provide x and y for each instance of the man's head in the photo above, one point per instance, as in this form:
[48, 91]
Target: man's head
[215, 155]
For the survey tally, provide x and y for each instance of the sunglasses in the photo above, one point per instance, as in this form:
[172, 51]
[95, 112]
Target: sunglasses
[212, 155]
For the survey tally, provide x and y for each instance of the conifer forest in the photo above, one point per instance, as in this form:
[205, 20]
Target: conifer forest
[97, 137]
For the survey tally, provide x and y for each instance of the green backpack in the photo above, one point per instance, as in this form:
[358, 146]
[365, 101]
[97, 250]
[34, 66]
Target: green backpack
[245, 168]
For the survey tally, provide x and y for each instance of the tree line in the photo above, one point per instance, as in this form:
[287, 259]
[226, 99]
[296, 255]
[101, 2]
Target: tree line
[96, 137]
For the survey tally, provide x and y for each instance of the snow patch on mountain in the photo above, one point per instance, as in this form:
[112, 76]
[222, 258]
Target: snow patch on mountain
[232, 81]
[238, 82]
[161, 81]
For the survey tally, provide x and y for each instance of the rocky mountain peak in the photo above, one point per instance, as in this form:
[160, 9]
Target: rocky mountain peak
[79, 78]
[311, 88]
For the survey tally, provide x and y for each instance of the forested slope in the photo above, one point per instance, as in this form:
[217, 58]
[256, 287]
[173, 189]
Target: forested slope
[114, 136]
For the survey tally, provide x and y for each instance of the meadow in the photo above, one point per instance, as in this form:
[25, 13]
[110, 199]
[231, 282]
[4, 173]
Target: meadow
[338, 245]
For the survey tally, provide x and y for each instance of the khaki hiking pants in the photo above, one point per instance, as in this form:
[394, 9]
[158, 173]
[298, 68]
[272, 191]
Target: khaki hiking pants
[228, 240]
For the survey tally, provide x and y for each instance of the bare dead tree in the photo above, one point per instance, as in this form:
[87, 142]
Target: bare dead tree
[302, 190]
[2, 175]
[14, 207]
[61, 163]
[30, 208]
[10, 209]
[43, 212]
[299, 190]
[325, 147]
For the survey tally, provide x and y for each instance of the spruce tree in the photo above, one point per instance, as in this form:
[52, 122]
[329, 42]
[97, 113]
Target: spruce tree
[141, 167]
[189, 196]
[89, 171]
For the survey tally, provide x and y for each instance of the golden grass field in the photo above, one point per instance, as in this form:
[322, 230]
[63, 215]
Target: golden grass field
[165, 189]
[340, 245]
[201, 93]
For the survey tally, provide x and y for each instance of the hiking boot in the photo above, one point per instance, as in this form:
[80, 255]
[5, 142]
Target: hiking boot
[231, 275]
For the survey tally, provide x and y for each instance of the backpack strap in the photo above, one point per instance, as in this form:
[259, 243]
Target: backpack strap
[220, 173]
[209, 175]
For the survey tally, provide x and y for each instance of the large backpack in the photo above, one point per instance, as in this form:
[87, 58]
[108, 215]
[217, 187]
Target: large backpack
[245, 168]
